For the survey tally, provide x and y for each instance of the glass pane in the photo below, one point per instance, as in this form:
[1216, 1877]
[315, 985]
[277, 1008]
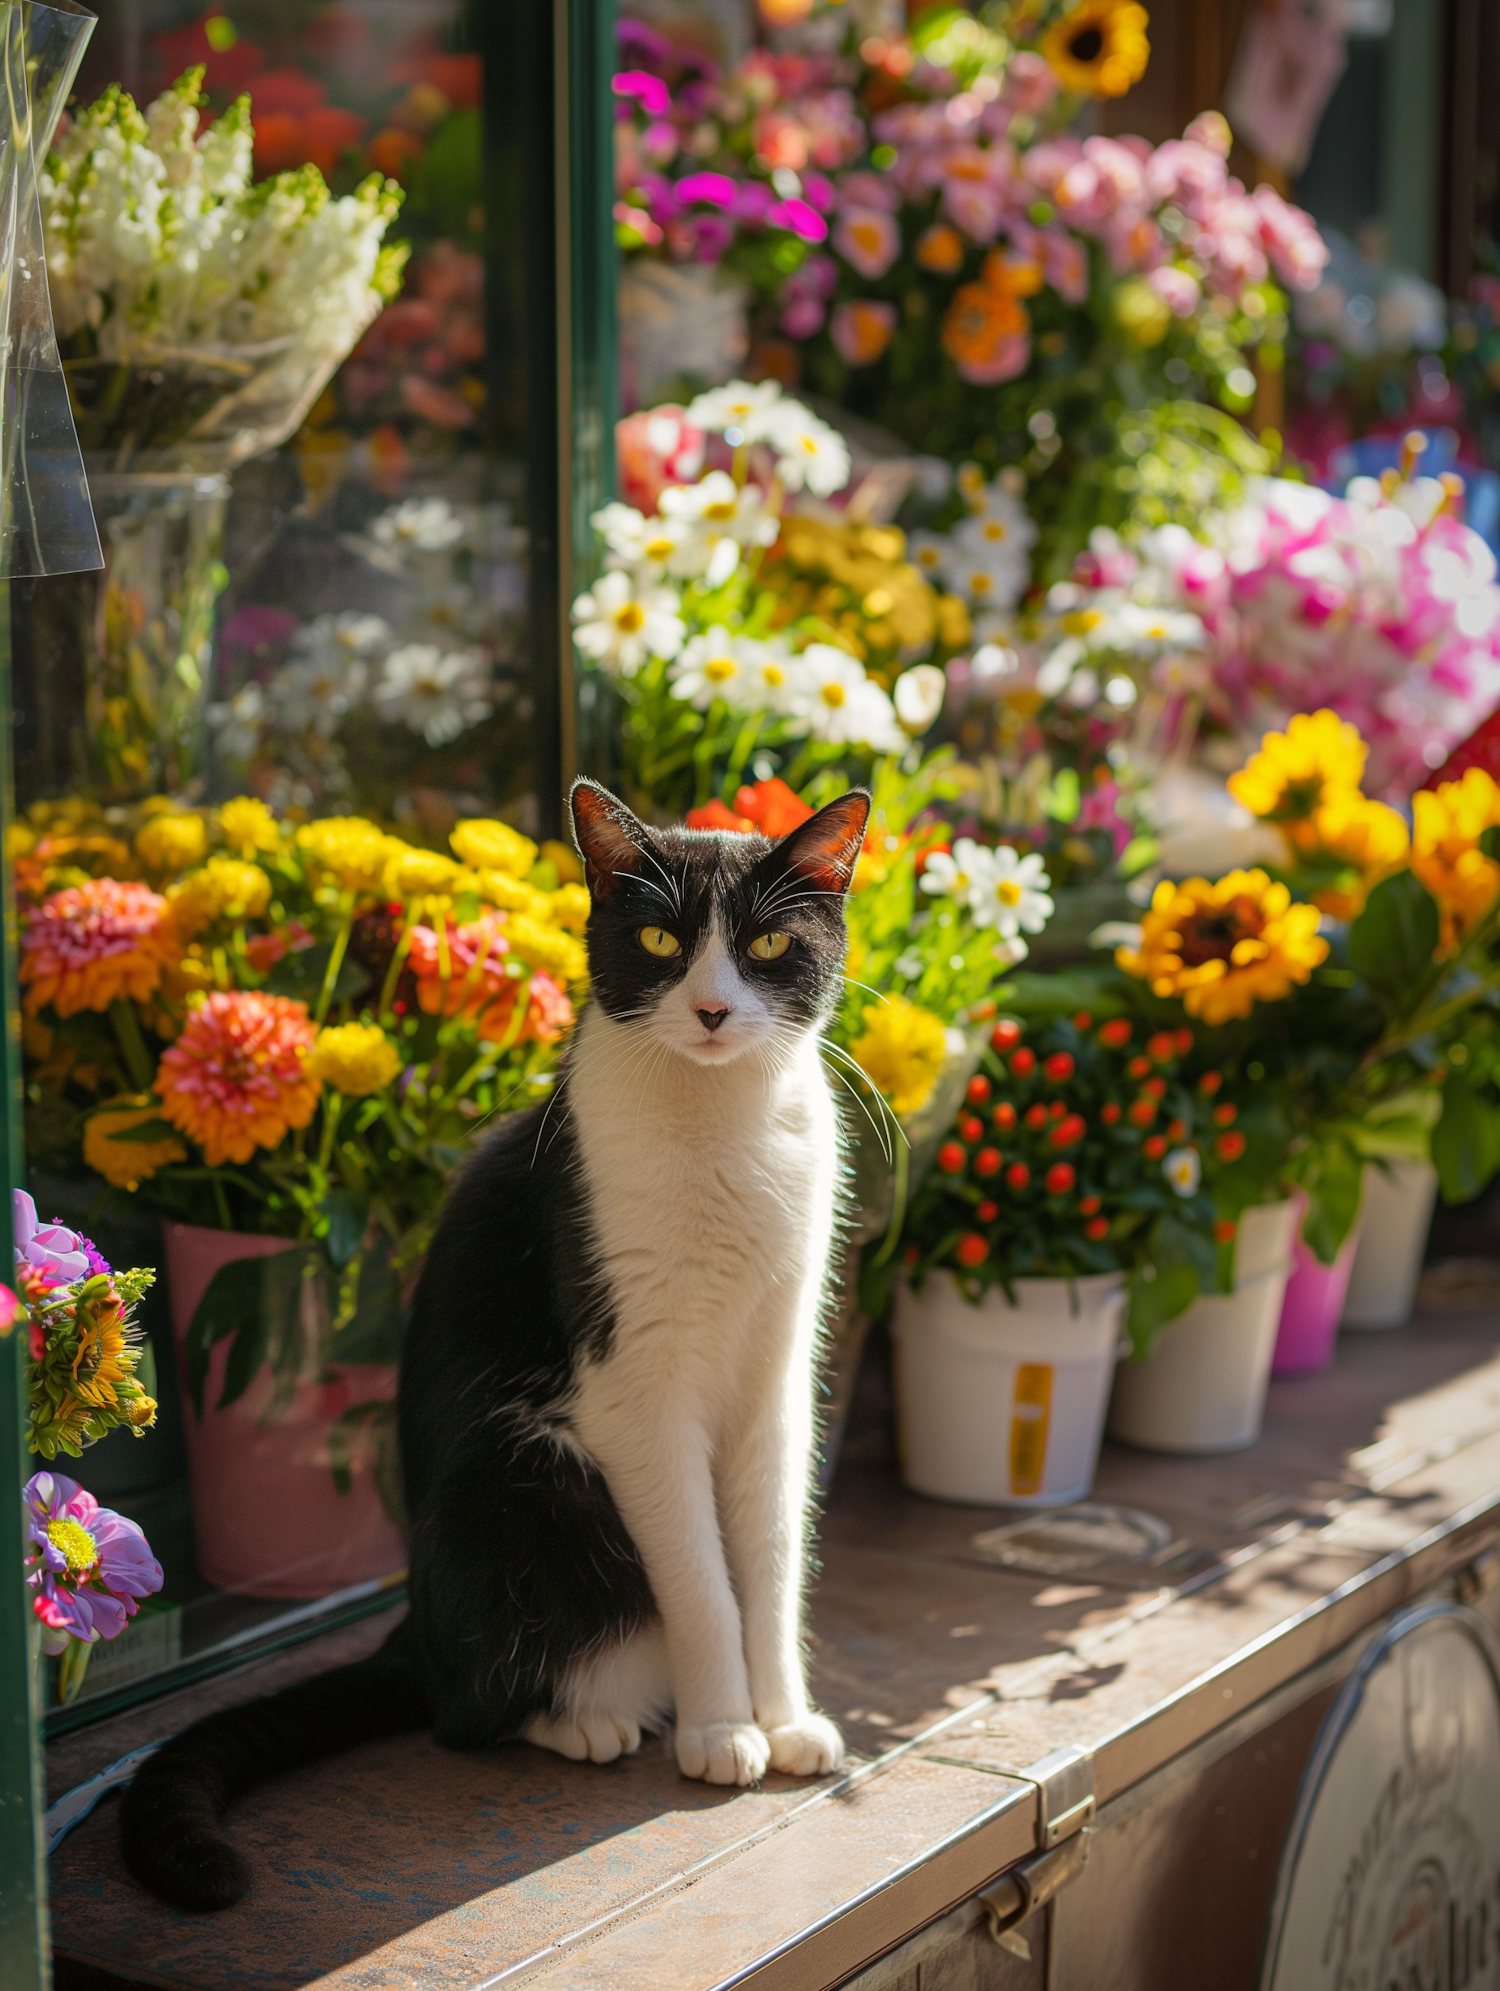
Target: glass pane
[331, 587]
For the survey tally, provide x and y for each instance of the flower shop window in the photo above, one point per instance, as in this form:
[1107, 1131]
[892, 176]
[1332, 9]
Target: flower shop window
[333, 296]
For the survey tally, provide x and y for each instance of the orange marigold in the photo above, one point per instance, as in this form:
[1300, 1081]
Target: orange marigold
[237, 1078]
[89, 944]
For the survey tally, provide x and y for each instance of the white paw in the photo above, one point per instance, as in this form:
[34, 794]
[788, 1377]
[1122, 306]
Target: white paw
[723, 1752]
[810, 1747]
[586, 1738]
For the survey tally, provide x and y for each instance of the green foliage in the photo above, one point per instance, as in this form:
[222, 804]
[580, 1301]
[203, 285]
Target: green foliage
[1466, 1141]
[1393, 941]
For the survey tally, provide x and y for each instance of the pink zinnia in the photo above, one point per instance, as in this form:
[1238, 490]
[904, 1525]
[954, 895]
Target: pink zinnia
[88, 945]
[236, 1079]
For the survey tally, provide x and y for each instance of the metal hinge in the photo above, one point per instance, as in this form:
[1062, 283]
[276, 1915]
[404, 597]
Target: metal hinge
[1064, 1783]
[1008, 1901]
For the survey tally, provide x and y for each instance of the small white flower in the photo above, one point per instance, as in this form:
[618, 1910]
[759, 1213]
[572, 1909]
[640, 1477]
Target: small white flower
[1010, 953]
[808, 451]
[427, 525]
[919, 695]
[1129, 626]
[1183, 1168]
[1000, 888]
[353, 634]
[909, 965]
[436, 693]
[633, 540]
[739, 406]
[715, 520]
[929, 553]
[237, 722]
[719, 665]
[839, 704]
[771, 674]
[619, 623]
[313, 692]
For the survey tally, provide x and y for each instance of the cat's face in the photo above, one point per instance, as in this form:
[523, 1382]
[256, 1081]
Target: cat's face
[712, 944]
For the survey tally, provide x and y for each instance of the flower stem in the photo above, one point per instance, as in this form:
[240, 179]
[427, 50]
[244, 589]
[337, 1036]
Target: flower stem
[393, 972]
[71, 1669]
[335, 962]
[127, 1029]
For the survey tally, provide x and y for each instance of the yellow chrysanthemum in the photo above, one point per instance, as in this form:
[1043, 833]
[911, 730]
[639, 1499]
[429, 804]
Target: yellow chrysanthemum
[347, 851]
[564, 957]
[249, 827]
[354, 1058]
[422, 874]
[494, 846]
[1446, 827]
[1225, 946]
[514, 895]
[170, 844]
[127, 1164]
[1368, 840]
[902, 1052]
[1099, 49]
[569, 906]
[1318, 759]
[225, 888]
[564, 860]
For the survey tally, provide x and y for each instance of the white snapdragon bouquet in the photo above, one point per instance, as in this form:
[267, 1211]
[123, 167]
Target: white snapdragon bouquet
[200, 315]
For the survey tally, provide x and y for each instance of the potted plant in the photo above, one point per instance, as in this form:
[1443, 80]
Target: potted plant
[1069, 1205]
[285, 1050]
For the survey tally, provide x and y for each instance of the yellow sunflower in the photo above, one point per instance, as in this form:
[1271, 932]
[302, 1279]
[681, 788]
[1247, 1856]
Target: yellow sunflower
[1099, 49]
[1446, 827]
[1224, 947]
[1318, 759]
[1365, 841]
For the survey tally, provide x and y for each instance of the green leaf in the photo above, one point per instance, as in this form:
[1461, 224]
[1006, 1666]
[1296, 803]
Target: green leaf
[1158, 1294]
[1393, 941]
[145, 1130]
[300, 975]
[374, 1329]
[1332, 1174]
[245, 1301]
[347, 1213]
[1177, 1243]
[1465, 1142]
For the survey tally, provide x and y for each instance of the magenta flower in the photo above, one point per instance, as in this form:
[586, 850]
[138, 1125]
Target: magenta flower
[59, 1255]
[87, 1566]
[715, 188]
[649, 91]
[801, 218]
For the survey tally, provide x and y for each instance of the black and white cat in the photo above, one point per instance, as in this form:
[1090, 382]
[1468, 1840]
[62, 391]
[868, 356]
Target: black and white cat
[606, 1398]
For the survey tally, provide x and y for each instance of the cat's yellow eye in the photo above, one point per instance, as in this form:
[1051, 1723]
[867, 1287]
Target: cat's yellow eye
[656, 940]
[770, 946]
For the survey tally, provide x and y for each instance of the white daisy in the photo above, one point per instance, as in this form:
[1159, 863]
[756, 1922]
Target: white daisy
[738, 409]
[353, 634]
[426, 525]
[437, 693]
[839, 704]
[1183, 1168]
[808, 451]
[313, 692]
[719, 665]
[620, 622]
[237, 722]
[772, 678]
[929, 552]
[919, 695]
[1009, 892]
[633, 540]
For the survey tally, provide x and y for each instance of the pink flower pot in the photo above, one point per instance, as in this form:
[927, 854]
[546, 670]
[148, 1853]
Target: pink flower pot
[1310, 1312]
[267, 1518]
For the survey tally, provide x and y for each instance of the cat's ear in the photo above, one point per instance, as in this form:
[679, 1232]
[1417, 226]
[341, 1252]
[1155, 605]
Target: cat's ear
[609, 838]
[825, 849]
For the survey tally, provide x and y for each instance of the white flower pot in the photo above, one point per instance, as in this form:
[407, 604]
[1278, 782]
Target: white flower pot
[1203, 1387]
[1397, 1215]
[1001, 1405]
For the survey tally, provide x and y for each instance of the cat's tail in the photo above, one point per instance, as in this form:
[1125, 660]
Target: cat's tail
[173, 1810]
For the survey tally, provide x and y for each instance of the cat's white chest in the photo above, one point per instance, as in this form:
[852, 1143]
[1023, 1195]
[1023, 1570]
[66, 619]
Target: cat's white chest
[711, 1202]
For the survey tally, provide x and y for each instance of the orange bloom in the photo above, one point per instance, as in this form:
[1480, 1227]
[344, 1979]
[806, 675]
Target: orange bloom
[237, 1079]
[461, 970]
[773, 808]
[717, 815]
[548, 1013]
[987, 332]
[940, 249]
[91, 943]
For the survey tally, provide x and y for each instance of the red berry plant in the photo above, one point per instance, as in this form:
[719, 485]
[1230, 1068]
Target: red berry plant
[1083, 1147]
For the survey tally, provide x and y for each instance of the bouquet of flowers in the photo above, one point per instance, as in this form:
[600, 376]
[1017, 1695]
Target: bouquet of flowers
[1084, 1146]
[200, 316]
[295, 1033]
[740, 640]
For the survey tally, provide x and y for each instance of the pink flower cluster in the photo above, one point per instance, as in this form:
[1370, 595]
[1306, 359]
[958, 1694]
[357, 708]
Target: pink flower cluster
[1173, 214]
[1382, 607]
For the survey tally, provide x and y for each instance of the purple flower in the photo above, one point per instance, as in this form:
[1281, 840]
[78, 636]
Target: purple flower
[653, 96]
[87, 1566]
[715, 188]
[60, 1255]
[753, 202]
[712, 236]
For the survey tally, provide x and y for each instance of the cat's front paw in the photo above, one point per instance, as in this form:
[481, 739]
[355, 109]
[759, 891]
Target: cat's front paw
[586, 1738]
[810, 1747]
[724, 1752]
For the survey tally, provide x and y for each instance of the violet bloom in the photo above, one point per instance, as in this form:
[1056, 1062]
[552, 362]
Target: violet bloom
[60, 1255]
[87, 1566]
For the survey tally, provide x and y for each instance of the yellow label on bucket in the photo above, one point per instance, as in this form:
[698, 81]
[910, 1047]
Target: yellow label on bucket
[1030, 1415]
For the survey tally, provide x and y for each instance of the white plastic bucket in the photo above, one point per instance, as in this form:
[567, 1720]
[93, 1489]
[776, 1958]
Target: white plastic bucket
[1397, 1214]
[1001, 1405]
[1203, 1387]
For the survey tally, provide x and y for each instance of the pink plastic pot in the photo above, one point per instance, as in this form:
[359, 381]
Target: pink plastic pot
[1311, 1310]
[268, 1520]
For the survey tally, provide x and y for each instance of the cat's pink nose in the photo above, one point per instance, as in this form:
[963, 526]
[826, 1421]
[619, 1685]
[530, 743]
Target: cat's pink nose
[713, 1014]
